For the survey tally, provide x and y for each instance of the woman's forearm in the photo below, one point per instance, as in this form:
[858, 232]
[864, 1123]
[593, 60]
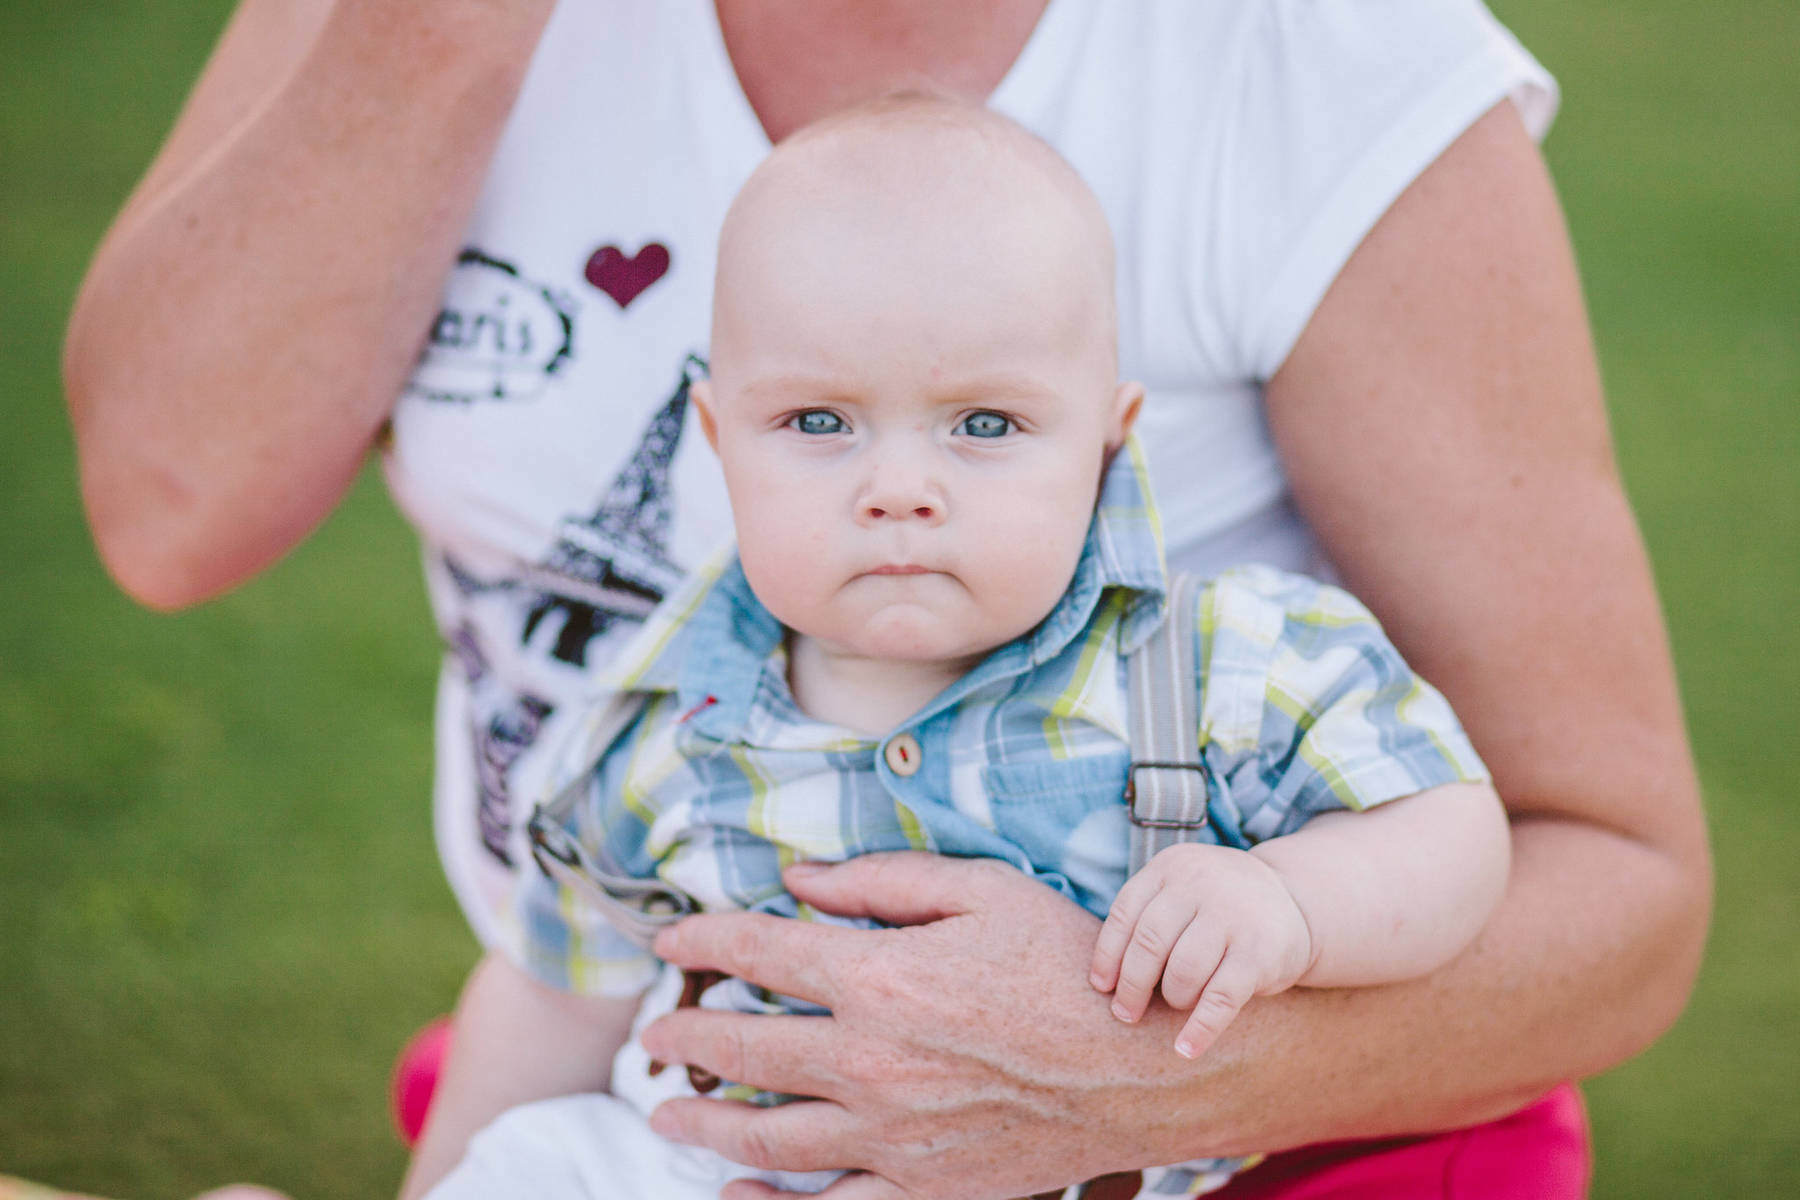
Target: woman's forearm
[249, 320]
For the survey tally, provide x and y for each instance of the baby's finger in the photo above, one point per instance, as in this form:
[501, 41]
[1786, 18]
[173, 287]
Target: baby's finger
[1115, 934]
[1158, 928]
[1193, 960]
[1229, 989]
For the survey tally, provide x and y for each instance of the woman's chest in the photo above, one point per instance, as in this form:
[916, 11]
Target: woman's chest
[798, 60]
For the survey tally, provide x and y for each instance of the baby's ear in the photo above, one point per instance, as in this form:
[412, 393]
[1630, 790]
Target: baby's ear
[1127, 400]
[701, 397]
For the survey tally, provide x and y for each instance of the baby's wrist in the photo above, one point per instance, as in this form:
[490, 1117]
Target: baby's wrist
[1301, 939]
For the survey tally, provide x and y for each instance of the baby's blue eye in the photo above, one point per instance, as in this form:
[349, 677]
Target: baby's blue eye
[986, 425]
[818, 421]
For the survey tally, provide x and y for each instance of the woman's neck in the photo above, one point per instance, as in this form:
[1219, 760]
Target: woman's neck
[798, 60]
[867, 695]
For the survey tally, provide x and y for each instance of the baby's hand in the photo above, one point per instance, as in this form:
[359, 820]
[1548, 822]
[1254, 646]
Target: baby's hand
[1216, 925]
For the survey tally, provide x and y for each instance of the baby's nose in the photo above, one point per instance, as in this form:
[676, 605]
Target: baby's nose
[894, 508]
[899, 492]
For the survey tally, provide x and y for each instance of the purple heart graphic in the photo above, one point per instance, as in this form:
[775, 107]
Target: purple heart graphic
[625, 278]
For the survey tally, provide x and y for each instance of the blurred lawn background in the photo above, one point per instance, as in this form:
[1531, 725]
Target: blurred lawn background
[220, 913]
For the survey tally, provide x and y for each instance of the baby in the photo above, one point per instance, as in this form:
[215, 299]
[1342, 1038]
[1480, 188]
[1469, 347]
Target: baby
[945, 555]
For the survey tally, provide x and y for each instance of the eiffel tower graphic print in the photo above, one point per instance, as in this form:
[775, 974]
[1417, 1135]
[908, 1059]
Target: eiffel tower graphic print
[614, 565]
[604, 569]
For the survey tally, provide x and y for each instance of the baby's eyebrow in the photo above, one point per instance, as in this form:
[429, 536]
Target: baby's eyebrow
[788, 384]
[1008, 386]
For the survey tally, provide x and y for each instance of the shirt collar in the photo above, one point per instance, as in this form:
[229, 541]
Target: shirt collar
[714, 644]
[1124, 550]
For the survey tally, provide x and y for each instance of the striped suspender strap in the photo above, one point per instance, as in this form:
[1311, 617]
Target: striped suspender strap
[1165, 793]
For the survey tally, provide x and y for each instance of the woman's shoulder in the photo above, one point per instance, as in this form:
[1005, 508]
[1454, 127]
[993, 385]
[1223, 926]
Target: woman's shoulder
[1257, 141]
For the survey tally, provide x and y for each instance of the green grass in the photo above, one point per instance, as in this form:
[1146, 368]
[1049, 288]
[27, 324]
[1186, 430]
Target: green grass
[220, 913]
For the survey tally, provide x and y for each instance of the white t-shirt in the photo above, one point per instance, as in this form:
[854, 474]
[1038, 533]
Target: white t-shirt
[1241, 149]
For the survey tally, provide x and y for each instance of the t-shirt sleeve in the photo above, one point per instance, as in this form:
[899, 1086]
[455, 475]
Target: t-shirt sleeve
[1333, 107]
[1306, 707]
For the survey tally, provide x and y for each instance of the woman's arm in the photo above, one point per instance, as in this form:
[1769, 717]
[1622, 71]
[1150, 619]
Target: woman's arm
[1443, 425]
[249, 319]
[1482, 519]
[516, 1041]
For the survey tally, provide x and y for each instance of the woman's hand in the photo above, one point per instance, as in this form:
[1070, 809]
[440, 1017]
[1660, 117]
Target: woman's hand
[908, 1087]
[961, 1050]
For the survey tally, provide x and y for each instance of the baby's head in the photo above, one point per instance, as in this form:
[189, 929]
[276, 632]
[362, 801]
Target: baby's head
[914, 385]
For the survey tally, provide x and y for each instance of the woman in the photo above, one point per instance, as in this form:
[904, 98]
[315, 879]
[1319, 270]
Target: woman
[485, 226]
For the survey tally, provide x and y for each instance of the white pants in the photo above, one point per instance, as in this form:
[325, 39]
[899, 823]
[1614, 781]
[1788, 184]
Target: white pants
[594, 1146]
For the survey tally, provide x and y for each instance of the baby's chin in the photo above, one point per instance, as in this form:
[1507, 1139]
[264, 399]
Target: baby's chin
[907, 633]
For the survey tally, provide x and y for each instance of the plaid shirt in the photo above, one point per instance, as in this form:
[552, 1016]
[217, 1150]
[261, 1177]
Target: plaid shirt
[721, 780]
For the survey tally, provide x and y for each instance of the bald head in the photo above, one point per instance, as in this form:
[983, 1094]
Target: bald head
[913, 367]
[925, 196]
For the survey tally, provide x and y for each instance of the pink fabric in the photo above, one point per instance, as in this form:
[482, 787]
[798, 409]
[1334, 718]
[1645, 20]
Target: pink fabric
[415, 1078]
[1539, 1153]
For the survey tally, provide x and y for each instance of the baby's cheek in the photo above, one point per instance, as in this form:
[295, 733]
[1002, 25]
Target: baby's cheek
[1032, 569]
[789, 573]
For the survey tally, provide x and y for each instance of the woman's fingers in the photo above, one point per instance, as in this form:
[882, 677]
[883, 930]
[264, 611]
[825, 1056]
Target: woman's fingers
[789, 1054]
[778, 953]
[904, 887]
[807, 1135]
[935, 1057]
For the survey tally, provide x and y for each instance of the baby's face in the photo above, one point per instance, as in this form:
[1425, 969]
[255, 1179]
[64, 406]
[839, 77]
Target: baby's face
[913, 410]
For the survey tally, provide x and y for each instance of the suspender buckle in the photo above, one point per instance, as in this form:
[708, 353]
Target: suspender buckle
[1145, 822]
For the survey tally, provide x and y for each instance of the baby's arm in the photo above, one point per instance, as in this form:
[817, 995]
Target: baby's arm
[516, 1040]
[1348, 900]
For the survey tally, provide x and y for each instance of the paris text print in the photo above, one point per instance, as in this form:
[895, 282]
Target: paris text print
[498, 337]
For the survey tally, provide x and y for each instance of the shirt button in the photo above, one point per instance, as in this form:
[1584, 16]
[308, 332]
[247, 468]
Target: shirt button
[903, 754]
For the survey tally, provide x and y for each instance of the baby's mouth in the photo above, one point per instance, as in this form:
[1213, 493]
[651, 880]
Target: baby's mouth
[901, 569]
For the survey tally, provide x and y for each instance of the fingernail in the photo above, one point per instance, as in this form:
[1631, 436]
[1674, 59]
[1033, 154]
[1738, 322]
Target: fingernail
[1123, 1013]
[1185, 1048]
[665, 1124]
[1097, 981]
